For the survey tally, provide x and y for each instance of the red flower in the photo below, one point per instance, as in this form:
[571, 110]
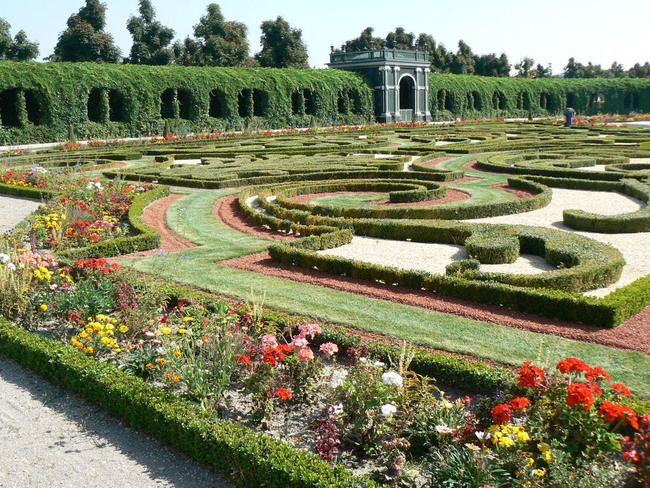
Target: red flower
[592, 374]
[614, 411]
[531, 376]
[621, 388]
[284, 394]
[502, 413]
[244, 359]
[269, 358]
[569, 365]
[519, 403]
[582, 393]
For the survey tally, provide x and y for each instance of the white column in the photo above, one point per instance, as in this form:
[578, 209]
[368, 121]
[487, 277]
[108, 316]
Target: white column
[398, 115]
[427, 113]
[384, 92]
[417, 114]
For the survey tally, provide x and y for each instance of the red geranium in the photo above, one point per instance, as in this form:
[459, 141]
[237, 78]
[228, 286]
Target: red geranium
[569, 365]
[592, 374]
[620, 388]
[531, 376]
[284, 394]
[519, 403]
[582, 394]
[614, 411]
[502, 413]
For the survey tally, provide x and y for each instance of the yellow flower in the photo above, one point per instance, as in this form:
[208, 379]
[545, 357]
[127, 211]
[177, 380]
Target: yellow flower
[123, 329]
[523, 436]
[546, 456]
[176, 379]
[43, 307]
[161, 361]
[149, 366]
[506, 442]
[529, 462]
[188, 319]
[168, 375]
[90, 350]
[166, 330]
[105, 340]
[182, 331]
[177, 354]
[540, 472]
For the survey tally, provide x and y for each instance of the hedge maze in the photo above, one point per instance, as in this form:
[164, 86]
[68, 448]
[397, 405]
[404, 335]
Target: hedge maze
[405, 167]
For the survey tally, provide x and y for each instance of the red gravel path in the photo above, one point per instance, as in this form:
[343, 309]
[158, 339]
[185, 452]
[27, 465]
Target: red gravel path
[634, 334]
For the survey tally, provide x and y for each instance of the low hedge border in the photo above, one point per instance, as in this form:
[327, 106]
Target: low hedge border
[487, 248]
[540, 301]
[234, 450]
[27, 192]
[510, 163]
[145, 237]
[283, 207]
[630, 222]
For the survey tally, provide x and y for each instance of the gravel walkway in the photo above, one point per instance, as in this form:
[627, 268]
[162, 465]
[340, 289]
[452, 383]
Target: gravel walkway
[52, 438]
[14, 209]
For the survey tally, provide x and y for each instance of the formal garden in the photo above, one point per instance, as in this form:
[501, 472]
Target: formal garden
[458, 304]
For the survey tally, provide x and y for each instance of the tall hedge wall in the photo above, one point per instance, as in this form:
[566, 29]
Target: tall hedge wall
[40, 101]
[470, 97]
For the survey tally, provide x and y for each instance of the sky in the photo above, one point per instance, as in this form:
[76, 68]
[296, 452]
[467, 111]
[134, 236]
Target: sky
[549, 31]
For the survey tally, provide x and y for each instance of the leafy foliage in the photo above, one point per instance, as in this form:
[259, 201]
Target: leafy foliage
[18, 49]
[218, 42]
[150, 38]
[282, 46]
[85, 39]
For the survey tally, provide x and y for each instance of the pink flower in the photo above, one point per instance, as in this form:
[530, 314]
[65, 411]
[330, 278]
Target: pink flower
[306, 354]
[329, 348]
[299, 342]
[268, 342]
[309, 330]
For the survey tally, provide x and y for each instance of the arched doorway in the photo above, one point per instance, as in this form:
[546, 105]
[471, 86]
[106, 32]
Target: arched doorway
[407, 98]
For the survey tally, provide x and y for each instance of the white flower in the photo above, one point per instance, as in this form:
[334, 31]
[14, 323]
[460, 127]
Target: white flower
[388, 409]
[4, 257]
[480, 434]
[338, 377]
[53, 287]
[447, 404]
[336, 409]
[443, 428]
[11, 266]
[391, 378]
[378, 364]
[472, 447]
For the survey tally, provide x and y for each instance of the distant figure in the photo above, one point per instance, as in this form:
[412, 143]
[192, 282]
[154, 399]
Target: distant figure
[569, 115]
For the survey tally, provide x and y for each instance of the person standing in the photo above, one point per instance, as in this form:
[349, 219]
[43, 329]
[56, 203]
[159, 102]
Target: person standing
[569, 115]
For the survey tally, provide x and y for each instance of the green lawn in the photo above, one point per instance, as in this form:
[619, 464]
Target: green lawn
[192, 218]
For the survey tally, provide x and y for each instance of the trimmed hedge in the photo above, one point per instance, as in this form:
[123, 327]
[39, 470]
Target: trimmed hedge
[286, 209]
[488, 248]
[229, 447]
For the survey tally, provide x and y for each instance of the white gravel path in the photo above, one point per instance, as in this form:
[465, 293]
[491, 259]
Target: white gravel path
[434, 257]
[14, 210]
[52, 438]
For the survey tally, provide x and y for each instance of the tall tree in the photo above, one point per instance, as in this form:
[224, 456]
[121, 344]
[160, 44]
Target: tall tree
[639, 71]
[365, 41]
[573, 69]
[525, 67]
[151, 39]
[464, 62]
[617, 70]
[218, 42]
[491, 65]
[18, 49]
[282, 46]
[85, 39]
[400, 39]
